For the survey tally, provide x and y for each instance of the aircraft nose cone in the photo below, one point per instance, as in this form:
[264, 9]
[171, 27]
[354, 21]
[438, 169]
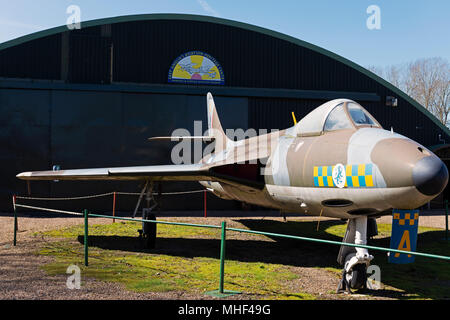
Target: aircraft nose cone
[430, 175]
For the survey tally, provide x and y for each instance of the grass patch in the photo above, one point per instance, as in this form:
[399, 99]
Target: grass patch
[147, 272]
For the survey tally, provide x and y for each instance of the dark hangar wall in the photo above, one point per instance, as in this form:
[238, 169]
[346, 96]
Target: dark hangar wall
[91, 97]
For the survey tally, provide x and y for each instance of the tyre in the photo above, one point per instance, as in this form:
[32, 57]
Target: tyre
[357, 277]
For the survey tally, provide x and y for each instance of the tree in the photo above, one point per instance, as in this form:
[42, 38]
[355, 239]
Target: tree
[428, 82]
[425, 80]
[394, 74]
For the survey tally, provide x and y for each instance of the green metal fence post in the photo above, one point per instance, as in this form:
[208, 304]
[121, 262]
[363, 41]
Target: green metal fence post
[222, 256]
[15, 220]
[222, 293]
[86, 224]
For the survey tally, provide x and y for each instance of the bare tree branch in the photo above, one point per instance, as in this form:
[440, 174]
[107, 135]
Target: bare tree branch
[425, 80]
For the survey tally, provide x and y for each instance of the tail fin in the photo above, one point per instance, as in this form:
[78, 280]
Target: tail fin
[214, 127]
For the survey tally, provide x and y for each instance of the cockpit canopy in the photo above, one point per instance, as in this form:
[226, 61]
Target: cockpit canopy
[335, 115]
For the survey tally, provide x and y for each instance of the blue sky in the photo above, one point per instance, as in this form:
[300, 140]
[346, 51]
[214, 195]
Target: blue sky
[409, 29]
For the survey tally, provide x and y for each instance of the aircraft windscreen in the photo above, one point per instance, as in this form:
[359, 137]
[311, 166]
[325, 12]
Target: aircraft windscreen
[359, 116]
[337, 119]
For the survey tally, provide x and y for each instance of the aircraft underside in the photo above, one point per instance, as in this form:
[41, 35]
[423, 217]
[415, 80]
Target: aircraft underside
[345, 203]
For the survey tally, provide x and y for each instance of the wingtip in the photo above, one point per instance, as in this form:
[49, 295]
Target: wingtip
[24, 175]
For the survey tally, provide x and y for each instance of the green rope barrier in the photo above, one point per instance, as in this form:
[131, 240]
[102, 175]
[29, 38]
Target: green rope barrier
[158, 221]
[428, 255]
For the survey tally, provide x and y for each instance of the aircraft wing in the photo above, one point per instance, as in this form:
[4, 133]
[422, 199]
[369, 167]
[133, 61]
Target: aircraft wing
[181, 172]
[184, 172]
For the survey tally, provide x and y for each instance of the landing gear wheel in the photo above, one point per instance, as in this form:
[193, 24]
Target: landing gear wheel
[357, 276]
[149, 231]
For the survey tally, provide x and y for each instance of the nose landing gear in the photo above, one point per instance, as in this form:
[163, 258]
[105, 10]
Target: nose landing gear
[355, 260]
[354, 275]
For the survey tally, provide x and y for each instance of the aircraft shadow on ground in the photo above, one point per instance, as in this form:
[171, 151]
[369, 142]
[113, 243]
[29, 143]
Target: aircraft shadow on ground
[277, 250]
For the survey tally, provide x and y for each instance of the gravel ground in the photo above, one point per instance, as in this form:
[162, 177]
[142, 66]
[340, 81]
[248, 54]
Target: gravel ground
[22, 278]
[432, 221]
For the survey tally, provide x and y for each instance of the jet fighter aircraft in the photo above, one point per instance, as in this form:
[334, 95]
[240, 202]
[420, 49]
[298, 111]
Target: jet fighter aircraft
[336, 162]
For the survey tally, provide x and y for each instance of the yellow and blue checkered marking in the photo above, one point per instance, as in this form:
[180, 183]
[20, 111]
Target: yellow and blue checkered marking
[357, 176]
[405, 218]
[323, 176]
